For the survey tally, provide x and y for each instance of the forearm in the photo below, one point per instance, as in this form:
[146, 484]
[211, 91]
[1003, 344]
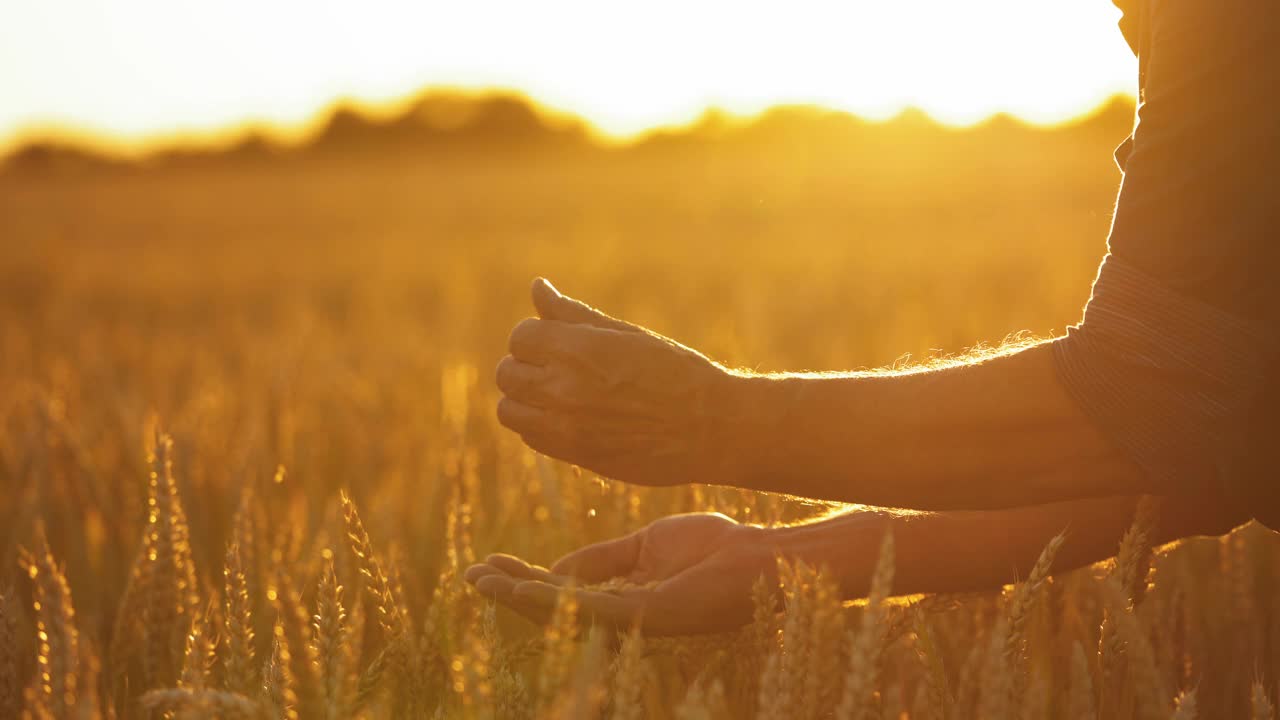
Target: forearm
[973, 551]
[997, 433]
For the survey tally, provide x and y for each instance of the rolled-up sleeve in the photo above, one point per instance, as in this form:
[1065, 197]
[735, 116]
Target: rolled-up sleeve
[1164, 375]
[1176, 357]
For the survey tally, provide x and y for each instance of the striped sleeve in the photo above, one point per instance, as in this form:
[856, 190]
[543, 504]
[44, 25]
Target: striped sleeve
[1164, 375]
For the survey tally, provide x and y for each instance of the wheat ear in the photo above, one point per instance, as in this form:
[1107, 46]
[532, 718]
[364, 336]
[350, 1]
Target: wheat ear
[1186, 706]
[1260, 707]
[330, 642]
[864, 642]
[58, 646]
[238, 663]
[10, 666]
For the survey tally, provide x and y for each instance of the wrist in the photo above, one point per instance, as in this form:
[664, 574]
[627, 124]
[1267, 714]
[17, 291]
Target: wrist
[752, 428]
[844, 547]
[756, 549]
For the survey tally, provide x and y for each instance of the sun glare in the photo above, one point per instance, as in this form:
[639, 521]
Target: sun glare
[134, 68]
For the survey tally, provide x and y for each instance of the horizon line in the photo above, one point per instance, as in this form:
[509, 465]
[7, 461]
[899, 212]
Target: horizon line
[125, 146]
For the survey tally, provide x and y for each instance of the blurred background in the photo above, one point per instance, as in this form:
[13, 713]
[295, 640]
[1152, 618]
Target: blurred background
[288, 233]
[833, 185]
[281, 227]
[296, 235]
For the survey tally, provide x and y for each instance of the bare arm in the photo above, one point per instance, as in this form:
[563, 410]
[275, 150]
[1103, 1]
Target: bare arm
[994, 433]
[699, 569]
[632, 405]
[972, 551]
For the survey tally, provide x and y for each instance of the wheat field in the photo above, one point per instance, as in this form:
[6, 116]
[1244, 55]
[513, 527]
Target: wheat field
[247, 443]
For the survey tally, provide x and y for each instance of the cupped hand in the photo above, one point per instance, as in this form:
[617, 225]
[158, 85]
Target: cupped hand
[681, 575]
[615, 398]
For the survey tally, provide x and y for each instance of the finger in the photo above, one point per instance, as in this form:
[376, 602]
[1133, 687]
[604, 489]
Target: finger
[551, 434]
[568, 446]
[521, 380]
[551, 305]
[495, 585]
[480, 570]
[501, 589]
[538, 341]
[521, 570]
[530, 341]
[601, 561]
[522, 418]
[593, 607]
[498, 585]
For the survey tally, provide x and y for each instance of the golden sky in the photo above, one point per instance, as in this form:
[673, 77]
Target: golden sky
[133, 68]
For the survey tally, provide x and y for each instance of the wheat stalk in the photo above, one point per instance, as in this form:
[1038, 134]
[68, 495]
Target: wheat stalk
[376, 583]
[703, 702]
[1185, 706]
[795, 577]
[1081, 698]
[1133, 562]
[171, 598]
[129, 619]
[769, 702]
[277, 678]
[371, 680]
[629, 680]
[937, 693]
[509, 692]
[1144, 673]
[330, 642]
[58, 646]
[199, 655]
[1023, 600]
[471, 670]
[558, 647]
[864, 643]
[584, 694]
[403, 662]
[968, 685]
[1006, 664]
[760, 639]
[205, 703]
[821, 676]
[1260, 707]
[238, 663]
[10, 666]
[286, 600]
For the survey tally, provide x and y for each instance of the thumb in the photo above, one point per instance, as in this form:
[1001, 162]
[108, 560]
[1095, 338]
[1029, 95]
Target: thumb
[551, 305]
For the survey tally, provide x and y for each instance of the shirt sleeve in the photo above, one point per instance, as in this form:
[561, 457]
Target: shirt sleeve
[1129, 24]
[1164, 375]
[1178, 340]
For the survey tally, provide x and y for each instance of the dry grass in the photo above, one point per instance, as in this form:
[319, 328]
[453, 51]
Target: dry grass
[170, 340]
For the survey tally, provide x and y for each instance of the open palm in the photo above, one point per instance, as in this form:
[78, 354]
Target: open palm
[683, 574]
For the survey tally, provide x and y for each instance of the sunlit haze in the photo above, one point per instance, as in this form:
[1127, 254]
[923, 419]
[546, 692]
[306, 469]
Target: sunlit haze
[131, 69]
